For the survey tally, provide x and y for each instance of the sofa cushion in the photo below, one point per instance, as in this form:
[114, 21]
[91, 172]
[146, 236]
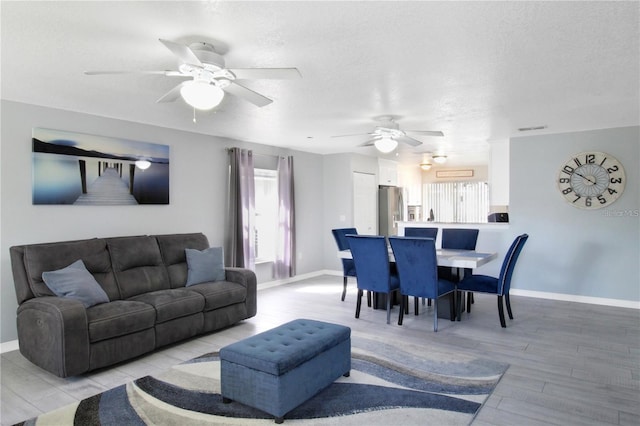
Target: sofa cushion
[220, 294]
[75, 282]
[172, 248]
[119, 318]
[172, 303]
[39, 258]
[204, 266]
[137, 265]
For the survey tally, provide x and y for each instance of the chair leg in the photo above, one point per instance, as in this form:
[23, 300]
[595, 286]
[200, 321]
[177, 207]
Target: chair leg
[344, 287]
[402, 304]
[368, 298]
[435, 316]
[469, 297]
[508, 303]
[423, 300]
[358, 303]
[415, 303]
[472, 299]
[501, 312]
[428, 302]
[389, 308]
[452, 306]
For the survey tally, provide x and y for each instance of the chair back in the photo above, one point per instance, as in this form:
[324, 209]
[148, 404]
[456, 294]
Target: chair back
[371, 258]
[509, 264]
[461, 239]
[340, 235]
[421, 232]
[417, 265]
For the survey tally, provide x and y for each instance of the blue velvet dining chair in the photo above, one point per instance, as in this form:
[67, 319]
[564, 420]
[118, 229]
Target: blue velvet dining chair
[458, 239]
[499, 286]
[417, 266]
[373, 270]
[421, 232]
[348, 267]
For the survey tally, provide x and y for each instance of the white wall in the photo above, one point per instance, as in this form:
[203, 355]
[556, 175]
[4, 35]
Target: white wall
[573, 251]
[198, 185]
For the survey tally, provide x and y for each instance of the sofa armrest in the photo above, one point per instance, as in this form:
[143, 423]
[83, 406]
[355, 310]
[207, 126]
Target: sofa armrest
[247, 278]
[53, 333]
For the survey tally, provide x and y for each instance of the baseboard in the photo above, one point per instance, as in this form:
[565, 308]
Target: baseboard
[275, 283]
[9, 346]
[13, 344]
[576, 298]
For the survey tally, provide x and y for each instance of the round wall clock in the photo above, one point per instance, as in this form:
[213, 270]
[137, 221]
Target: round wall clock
[591, 180]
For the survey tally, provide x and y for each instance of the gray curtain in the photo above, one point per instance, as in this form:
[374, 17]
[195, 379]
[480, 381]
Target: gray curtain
[285, 250]
[239, 241]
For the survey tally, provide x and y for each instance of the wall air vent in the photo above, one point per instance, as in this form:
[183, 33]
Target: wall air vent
[528, 129]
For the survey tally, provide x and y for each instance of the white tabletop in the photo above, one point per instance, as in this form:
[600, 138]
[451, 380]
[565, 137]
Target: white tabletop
[447, 257]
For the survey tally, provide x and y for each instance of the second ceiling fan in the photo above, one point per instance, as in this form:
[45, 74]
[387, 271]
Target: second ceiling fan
[387, 134]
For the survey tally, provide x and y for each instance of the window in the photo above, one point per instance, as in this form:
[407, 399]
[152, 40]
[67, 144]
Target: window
[266, 211]
[458, 202]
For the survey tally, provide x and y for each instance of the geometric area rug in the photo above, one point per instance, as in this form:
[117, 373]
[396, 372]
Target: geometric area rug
[386, 386]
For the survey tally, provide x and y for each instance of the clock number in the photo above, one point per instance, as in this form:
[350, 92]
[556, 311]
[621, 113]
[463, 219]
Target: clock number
[612, 169]
[603, 160]
[616, 180]
[587, 202]
[590, 158]
[564, 180]
[566, 191]
[602, 199]
[568, 169]
[612, 191]
[578, 163]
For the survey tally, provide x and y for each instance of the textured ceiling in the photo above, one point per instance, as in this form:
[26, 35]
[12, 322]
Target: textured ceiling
[477, 71]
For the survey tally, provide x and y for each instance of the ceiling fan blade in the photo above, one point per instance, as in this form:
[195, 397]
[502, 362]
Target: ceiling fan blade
[369, 142]
[351, 135]
[426, 132]
[184, 53]
[247, 94]
[265, 73]
[172, 94]
[166, 73]
[408, 140]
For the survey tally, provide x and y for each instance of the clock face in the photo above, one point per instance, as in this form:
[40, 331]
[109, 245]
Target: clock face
[591, 180]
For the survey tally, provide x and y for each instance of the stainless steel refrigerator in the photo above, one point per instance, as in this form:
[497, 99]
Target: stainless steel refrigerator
[390, 209]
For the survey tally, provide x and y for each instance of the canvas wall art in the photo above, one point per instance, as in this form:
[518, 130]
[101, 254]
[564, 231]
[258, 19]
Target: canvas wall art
[82, 169]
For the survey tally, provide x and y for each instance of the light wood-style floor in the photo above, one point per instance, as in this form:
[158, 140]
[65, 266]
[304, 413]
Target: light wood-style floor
[570, 363]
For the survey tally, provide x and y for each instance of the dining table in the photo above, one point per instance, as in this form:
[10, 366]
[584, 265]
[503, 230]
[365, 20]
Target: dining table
[457, 259]
[460, 259]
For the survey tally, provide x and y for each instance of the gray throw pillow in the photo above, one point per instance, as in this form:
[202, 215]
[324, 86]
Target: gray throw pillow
[204, 266]
[75, 282]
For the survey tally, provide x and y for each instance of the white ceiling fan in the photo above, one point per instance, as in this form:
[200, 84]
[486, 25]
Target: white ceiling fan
[387, 134]
[209, 78]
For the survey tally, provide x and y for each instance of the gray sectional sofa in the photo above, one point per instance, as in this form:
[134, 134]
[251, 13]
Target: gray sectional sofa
[148, 304]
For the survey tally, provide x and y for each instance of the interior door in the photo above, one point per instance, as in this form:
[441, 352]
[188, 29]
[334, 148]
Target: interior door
[365, 203]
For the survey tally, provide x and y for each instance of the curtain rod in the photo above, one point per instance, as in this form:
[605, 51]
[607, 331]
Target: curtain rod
[258, 153]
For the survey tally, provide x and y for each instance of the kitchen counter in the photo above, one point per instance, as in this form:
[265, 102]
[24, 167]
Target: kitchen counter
[493, 237]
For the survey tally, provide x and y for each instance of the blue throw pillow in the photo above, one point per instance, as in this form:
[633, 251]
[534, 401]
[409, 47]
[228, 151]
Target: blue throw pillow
[204, 266]
[75, 282]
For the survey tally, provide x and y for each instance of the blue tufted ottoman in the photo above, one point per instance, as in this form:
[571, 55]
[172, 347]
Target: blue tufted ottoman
[279, 369]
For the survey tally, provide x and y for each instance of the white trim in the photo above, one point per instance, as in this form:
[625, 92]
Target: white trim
[275, 283]
[13, 344]
[576, 298]
[9, 346]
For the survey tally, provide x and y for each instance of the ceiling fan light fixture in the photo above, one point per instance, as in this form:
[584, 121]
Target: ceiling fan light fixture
[201, 95]
[425, 166]
[440, 159]
[386, 145]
